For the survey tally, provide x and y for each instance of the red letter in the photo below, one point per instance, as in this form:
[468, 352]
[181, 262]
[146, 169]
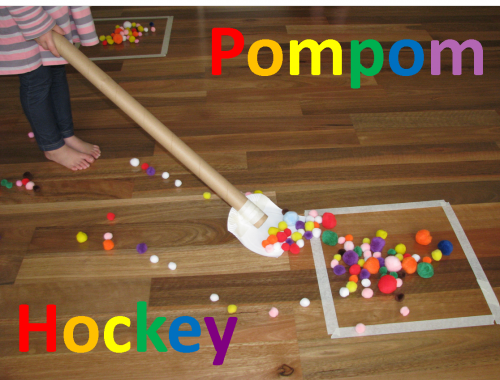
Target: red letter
[218, 54]
[25, 327]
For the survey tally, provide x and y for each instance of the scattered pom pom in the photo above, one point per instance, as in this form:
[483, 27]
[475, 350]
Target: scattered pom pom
[381, 261]
[214, 297]
[425, 270]
[399, 297]
[366, 240]
[153, 29]
[349, 246]
[404, 311]
[437, 255]
[151, 171]
[372, 265]
[144, 166]
[344, 292]
[330, 238]
[353, 278]
[399, 256]
[341, 251]
[360, 328]
[367, 254]
[19, 183]
[339, 270]
[154, 259]
[341, 240]
[178, 183]
[391, 252]
[308, 235]
[289, 241]
[393, 264]
[309, 218]
[135, 162]
[350, 257]
[423, 237]
[364, 274]
[358, 251]
[367, 293]
[400, 248]
[445, 247]
[285, 247]
[300, 243]
[296, 236]
[318, 219]
[273, 230]
[334, 263]
[207, 195]
[81, 237]
[231, 309]
[141, 248]
[355, 269]
[108, 236]
[409, 265]
[172, 266]
[365, 247]
[329, 220]
[381, 234]
[382, 271]
[377, 255]
[281, 236]
[290, 218]
[31, 135]
[165, 175]
[295, 249]
[387, 284]
[399, 282]
[349, 238]
[270, 248]
[258, 192]
[366, 282]
[361, 262]
[287, 231]
[309, 226]
[273, 313]
[316, 232]
[337, 257]
[304, 302]
[30, 185]
[299, 225]
[427, 260]
[313, 213]
[352, 286]
[377, 244]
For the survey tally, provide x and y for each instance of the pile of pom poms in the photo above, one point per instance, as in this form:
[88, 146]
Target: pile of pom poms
[129, 31]
[27, 182]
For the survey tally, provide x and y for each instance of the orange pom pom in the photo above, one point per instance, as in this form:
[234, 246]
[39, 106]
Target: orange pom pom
[112, 35]
[117, 31]
[409, 265]
[272, 239]
[118, 38]
[108, 245]
[353, 278]
[372, 265]
[265, 243]
[316, 225]
[135, 34]
[423, 237]
[349, 238]
[427, 259]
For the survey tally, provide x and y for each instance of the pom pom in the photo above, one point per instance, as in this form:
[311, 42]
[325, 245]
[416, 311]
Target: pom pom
[81, 237]
[394, 274]
[281, 236]
[272, 239]
[108, 245]
[30, 185]
[367, 293]
[355, 269]
[445, 247]
[339, 270]
[309, 226]
[231, 309]
[295, 249]
[352, 286]
[154, 259]
[341, 240]
[381, 261]
[304, 302]
[372, 265]
[377, 244]
[399, 256]
[358, 251]
[285, 247]
[31, 135]
[135, 162]
[366, 241]
[381, 234]
[172, 266]
[382, 271]
[400, 248]
[265, 243]
[296, 236]
[437, 255]
[318, 219]
[151, 171]
[406, 255]
[118, 38]
[366, 282]
[334, 263]
[282, 226]
[289, 241]
[399, 282]
[313, 213]
[393, 264]
[141, 248]
[300, 243]
[316, 232]
[308, 235]
[290, 218]
[108, 236]
[144, 166]
[367, 254]
[423, 237]
[364, 274]
[350, 257]
[404, 311]
[25, 181]
[299, 225]
[341, 251]
[153, 29]
[361, 262]
[409, 265]
[165, 175]
[387, 284]
[365, 247]
[349, 246]
[28, 175]
[127, 24]
[273, 230]
[309, 218]
[391, 252]
[110, 216]
[344, 292]
[214, 297]
[19, 183]
[399, 297]
[360, 328]
[330, 238]
[349, 238]
[337, 257]
[353, 278]
[273, 313]
[131, 39]
[178, 183]
[287, 231]
[377, 255]
[207, 195]
[425, 270]
[329, 220]
[427, 260]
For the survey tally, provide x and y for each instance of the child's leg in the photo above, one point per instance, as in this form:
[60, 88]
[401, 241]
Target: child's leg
[61, 106]
[36, 101]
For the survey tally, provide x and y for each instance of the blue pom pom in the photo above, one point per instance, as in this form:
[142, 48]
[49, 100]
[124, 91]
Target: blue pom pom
[151, 23]
[445, 247]
[291, 218]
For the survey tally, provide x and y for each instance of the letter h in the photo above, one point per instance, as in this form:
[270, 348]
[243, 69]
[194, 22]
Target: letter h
[25, 327]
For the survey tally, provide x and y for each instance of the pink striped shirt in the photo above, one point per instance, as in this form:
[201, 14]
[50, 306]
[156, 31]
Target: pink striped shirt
[19, 26]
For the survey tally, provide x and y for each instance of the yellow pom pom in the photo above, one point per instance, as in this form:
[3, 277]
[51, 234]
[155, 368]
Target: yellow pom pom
[117, 26]
[102, 38]
[366, 241]
[131, 39]
[399, 256]
[108, 37]
[400, 248]
[111, 42]
[382, 234]
[309, 226]
[337, 257]
[140, 29]
[231, 309]
[81, 237]
[257, 192]
[207, 195]
[133, 25]
[282, 226]
[352, 286]
[296, 236]
[361, 262]
[273, 231]
[437, 255]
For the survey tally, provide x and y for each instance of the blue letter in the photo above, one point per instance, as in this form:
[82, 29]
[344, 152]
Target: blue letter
[418, 60]
[174, 334]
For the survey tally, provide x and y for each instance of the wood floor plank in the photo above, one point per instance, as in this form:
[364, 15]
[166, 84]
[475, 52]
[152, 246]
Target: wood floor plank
[13, 247]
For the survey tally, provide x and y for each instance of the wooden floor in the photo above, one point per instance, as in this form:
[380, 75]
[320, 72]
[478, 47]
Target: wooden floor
[307, 142]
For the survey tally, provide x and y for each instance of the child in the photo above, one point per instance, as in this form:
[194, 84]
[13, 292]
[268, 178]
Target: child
[27, 49]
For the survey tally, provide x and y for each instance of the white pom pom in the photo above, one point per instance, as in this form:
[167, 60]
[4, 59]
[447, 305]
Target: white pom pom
[172, 266]
[366, 282]
[165, 175]
[344, 292]
[134, 162]
[316, 232]
[302, 218]
[416, 257]
[154, 259]
[214, 297]
[178, 182]
[300, 243]
[127, 24]
[318, 219]
[146, 29]
[277, 247]
[304, 302]
[309, 218]
[301, 231]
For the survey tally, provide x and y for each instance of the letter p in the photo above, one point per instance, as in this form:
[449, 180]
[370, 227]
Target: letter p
[217, 54]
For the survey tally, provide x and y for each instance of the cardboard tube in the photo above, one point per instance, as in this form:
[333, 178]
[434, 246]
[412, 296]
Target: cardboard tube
[158, 131]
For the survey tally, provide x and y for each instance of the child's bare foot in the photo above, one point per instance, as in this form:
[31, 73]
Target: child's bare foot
[83, 147]
[70, 158]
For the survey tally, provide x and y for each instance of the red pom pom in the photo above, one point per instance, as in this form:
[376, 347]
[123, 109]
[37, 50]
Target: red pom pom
[406, 255]
[294, 248]
[25, 181]
[285, 247]
[104, 43]
[329, 220]
[354, 269]
[144, 166]
[110, 216]
[288, 232]
[387, 284]
[281, 236]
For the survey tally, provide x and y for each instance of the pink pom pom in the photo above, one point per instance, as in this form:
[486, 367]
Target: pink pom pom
[19, 183]
[313, 213]
[360, 328]
[341, 240]
[365, 247]
[31, 135]
[30, 185]
[367, 293]
[273, 312]
[367, 254]
[348, 245]
[399, 282]
[377, 254]
[153, 29]
[404, 311]
[334, 263]
[136, 40]
[140, 34]
[248, 193]
[108, 236]
[270, 248]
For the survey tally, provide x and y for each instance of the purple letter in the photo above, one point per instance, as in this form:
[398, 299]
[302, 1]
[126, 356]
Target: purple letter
[457, 50]
[220, 346]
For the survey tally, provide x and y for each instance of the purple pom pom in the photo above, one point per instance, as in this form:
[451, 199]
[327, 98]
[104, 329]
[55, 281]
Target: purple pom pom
[377, 244]
[339, 270]
[364, 274]
[300, 225]
[289, 241]
[142, 248]
[350, 258]
[150, 171]
[308, 235]
[381, 261]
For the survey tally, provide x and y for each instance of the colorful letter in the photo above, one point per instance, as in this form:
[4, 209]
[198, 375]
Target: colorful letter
[316, 50]
[174, 334]
[253, 63]
[217, 54]
[143, 332]
[109, 334]
[357, 68]
[220, 346]
[93, 334]
[457, 49]
[418, 60]
[25, 327]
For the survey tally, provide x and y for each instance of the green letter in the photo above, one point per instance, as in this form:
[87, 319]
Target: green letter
[357, 68]
[143, 332]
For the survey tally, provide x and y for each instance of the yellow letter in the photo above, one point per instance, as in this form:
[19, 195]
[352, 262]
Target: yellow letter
[277, 58]
[316, 50]
[93, 334]
[109, 332]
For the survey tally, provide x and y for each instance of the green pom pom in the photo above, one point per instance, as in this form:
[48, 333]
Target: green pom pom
[330, 238]
[8, 185]
[4, 182]
[394, 274]
[358, 251]
[391, 252]
[382, 271]
[425, 270]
